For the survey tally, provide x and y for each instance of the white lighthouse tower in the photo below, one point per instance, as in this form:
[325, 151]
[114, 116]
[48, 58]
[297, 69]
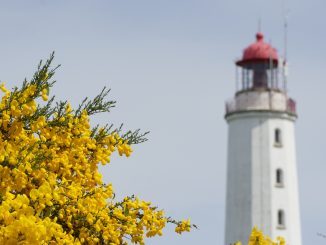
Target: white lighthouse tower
[262, 185]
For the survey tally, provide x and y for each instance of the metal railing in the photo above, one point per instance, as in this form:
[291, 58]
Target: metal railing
[291, 106]
[231, 107]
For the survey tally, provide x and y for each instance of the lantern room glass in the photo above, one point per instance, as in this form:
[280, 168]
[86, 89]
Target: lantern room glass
[258, 75]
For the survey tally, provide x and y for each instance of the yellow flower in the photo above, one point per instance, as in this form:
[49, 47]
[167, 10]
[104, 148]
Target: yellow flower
[3, 88]
[45, 94]
[51, 187]
[34, 194]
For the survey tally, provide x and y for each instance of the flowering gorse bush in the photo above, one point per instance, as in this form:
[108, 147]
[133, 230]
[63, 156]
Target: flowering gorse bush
[258, 238]
[51, 191]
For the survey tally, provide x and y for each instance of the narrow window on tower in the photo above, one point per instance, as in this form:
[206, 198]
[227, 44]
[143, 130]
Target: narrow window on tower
[279, 178]
[278, 137]
[280, 219]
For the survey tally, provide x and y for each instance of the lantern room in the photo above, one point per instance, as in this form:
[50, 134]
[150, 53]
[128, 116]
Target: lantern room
[259, 67]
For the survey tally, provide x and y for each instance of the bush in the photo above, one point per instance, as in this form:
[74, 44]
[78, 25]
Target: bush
[258, 238]
[51, 190]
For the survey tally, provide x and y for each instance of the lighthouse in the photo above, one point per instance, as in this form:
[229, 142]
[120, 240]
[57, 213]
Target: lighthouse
[262, 182]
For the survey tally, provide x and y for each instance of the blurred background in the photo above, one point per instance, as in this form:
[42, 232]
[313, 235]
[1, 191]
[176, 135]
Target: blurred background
[170, 65]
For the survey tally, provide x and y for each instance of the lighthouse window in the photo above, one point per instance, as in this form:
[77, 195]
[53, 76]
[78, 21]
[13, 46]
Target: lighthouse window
[280, 219]
[279, 178]
[278, 137]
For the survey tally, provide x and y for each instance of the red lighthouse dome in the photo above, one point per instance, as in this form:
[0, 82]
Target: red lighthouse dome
[259, 52]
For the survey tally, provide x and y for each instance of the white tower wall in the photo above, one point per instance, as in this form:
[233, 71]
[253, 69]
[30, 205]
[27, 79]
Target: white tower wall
[254, 196]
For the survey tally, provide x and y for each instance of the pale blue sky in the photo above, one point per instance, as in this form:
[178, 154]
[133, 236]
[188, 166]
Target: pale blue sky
[170, 64]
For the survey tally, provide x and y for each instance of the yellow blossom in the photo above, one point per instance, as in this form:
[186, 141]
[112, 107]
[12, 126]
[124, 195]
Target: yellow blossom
[258, 238]
[50, 186]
